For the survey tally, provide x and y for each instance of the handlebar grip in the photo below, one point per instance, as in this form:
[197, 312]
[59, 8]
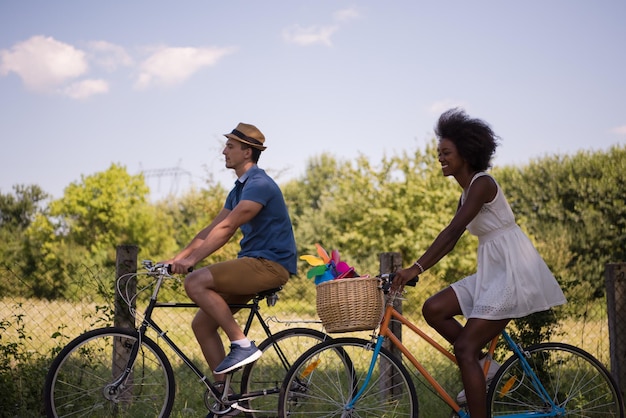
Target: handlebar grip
[413, 281]
[169, 269]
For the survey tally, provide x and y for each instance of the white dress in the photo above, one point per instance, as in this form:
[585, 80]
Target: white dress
[512, 280]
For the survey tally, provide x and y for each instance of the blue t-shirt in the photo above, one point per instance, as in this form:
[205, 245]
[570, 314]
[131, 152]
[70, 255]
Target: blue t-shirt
[269, 234]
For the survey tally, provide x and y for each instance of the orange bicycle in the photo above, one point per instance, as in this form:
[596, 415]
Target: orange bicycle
[354, 377]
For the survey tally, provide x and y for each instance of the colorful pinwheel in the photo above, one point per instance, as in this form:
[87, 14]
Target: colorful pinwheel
[327, 267]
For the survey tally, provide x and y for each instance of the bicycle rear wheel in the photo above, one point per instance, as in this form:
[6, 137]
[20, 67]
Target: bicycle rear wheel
[576, 381]
[80, 380]
[266, 374]
[327, 377]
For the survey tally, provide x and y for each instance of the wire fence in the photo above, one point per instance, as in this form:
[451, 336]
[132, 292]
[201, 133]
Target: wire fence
[33, 331]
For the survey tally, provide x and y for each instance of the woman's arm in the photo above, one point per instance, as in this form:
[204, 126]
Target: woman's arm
[483, 190]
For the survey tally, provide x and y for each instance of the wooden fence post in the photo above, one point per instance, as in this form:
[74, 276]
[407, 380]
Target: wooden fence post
[125, 263]
[615, 280]
[390, 263]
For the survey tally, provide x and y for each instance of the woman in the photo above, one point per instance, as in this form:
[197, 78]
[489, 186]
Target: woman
[511, 281]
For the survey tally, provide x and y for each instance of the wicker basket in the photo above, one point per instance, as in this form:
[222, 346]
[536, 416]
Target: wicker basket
[354, 304]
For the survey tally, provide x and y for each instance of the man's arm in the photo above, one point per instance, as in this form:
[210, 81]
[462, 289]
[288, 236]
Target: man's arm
[201, 236]
[213, 237]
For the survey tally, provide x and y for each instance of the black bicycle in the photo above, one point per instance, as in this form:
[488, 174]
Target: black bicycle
[123, 372]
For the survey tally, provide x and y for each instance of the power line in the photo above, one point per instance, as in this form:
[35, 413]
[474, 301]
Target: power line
[174, 173]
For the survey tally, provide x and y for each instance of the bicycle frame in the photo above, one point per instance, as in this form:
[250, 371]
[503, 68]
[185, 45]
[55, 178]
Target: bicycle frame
[148, 322]
[385, 332]
[131, 368]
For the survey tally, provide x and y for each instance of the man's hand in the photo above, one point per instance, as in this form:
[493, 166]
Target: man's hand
[182, 266]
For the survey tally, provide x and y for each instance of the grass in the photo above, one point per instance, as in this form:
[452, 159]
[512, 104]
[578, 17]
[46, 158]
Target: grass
[37, 329]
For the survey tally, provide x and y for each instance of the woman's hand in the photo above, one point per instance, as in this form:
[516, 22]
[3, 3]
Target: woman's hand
[403, 276]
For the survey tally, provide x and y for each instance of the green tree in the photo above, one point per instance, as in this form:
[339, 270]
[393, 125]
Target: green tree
[363, 210]
[86, 225]
[576, 205]
[17, 212]
[191, 212]
[304, 197]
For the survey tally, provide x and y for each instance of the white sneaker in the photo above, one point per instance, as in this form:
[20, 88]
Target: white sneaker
[493, 369]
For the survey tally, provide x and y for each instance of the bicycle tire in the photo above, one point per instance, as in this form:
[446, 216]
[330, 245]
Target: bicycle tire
[76, 384]
[573, 378]
[269, 371]
[325, 378]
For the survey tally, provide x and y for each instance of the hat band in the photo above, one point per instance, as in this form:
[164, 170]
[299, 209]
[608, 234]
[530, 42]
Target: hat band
[241, 135]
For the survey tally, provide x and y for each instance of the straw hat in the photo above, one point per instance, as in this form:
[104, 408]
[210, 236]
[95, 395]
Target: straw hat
[248, 134]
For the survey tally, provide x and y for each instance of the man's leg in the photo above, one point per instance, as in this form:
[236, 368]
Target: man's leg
[205, 330]
[200, 286]
[237, 281]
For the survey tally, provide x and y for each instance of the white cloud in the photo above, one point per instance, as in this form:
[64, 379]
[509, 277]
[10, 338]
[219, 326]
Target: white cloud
[346, 14]
[315, 34]
[174, 65]
[43, 62]
[108, 55]
[445, 104]
[47, 65]
[309, 36]
[619, 130]
[86, 88]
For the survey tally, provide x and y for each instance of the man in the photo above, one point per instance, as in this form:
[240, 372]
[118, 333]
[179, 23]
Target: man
[266, 260]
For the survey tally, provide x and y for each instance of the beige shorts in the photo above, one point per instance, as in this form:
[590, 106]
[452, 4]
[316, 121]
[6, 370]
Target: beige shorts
[237, 281]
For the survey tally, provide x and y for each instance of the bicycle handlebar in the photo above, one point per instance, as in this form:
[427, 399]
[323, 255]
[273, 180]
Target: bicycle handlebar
[160, 268]
[387, 279]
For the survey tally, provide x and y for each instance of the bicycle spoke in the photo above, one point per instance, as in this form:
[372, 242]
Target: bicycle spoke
[574, 380]
[326, 378]
[267, 374]
[80, 382]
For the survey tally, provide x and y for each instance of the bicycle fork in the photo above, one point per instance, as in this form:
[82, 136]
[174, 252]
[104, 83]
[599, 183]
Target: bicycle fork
[113, 390]
[350, 406]
[534, 379]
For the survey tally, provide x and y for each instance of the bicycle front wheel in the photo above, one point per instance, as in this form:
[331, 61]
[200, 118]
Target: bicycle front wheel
[326, 378]
[84, 380]
[572, 378]
[265, 376]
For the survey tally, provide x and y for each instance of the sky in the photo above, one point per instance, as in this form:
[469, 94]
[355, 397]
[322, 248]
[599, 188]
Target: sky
[153, 85]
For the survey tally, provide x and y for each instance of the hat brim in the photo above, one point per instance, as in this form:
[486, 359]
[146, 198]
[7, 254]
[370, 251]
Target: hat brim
[236, 138]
